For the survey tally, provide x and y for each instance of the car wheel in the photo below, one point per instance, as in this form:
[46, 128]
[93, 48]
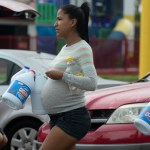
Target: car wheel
[22, 135]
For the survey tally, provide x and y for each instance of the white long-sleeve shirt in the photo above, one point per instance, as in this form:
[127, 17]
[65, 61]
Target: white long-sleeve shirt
[56, 95]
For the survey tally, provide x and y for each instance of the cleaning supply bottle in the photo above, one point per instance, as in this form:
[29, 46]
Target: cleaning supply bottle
[36, 102]
[19, 90]
[142, 123]
[73, 67]
[23, 70]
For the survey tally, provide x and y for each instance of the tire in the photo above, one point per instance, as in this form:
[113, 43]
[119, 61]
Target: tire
[22, 134]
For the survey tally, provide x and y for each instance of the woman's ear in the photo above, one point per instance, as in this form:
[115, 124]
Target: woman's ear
[73, 22]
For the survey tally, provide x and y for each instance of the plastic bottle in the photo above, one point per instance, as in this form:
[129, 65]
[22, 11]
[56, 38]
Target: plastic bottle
[142, 123]
[23, 70]
[36, 102]
[73, 68]
[19, 90]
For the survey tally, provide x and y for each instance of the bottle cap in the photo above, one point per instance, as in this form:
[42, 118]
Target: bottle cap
[26, 67]
[70, 58]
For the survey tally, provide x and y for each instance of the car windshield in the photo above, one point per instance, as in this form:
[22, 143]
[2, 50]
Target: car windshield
[42, 61]
[146, 78]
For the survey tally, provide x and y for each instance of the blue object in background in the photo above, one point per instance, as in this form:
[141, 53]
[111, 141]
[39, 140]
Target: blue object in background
[46, 31]
[58, 3]
[93, 31]
[47, 44]
[47, 39]
[116, 35]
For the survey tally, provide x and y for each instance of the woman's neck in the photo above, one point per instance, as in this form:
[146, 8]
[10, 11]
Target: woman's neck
[72, 39]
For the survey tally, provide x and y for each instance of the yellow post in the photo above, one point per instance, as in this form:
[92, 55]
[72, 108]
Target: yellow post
[144, 59]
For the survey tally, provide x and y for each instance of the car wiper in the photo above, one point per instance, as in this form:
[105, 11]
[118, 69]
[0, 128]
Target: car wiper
[142, 80]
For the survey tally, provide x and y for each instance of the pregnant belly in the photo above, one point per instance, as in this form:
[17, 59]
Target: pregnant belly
[54, 91]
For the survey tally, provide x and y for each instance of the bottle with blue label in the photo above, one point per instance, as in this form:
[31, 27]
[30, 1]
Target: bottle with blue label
[19, 90]
[142, 123]
[73, 67]
[23, 70]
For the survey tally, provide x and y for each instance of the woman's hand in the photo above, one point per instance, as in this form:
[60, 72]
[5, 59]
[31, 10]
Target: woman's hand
[54, 74]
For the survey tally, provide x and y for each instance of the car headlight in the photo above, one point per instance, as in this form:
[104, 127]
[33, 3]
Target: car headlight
[126, 113]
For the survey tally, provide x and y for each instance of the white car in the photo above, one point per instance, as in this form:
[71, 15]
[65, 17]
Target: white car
[105, 83]
[21, 125]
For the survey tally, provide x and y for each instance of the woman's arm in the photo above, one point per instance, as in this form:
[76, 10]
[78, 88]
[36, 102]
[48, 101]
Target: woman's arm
[89, 79]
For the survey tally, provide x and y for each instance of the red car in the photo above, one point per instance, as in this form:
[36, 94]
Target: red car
[113, 111]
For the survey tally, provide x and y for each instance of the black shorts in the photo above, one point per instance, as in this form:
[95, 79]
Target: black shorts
[76, 122]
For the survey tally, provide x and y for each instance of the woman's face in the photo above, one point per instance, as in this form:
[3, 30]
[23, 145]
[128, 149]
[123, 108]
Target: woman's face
[63, 24]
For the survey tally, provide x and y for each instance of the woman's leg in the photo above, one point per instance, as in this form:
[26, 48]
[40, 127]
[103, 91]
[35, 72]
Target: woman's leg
[73, 148]
[57, 139]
